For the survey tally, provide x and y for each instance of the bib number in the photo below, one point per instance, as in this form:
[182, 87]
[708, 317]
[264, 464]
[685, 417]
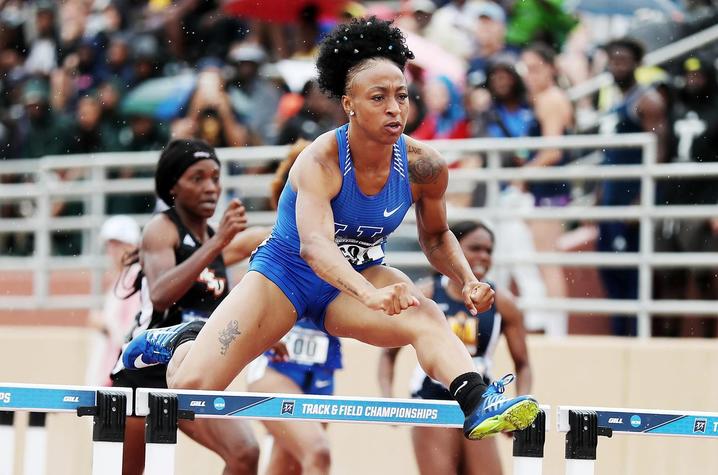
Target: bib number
[357, 254]
[307, 346]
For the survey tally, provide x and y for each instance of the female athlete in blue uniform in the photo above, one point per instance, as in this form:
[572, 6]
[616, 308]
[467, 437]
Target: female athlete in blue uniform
[311, 358]
[440, 450]
[346, 193]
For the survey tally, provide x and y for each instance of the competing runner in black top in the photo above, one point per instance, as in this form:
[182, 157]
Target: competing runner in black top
[184, 278]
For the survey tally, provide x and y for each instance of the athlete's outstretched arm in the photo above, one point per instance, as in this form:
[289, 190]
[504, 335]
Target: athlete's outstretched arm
[429, 171]
[169, 281]
[317, 182]
[244, 243]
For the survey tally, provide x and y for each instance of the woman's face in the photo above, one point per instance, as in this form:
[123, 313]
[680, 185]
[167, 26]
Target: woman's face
[537, 74]
[88, 113]
[502, 83]
[478, 248]
[380, 100]
[198, 189]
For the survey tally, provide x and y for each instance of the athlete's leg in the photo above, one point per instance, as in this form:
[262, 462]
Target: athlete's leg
[281, 462]
[133, 449]
[440, 353]
[303, 442]
[232, 440]
[255, 315]
[437, 450]
[480, 457]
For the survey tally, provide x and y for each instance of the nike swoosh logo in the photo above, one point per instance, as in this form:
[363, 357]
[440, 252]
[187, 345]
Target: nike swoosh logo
[460, 387]
[389, 213]
[322, 384]
[139, 364]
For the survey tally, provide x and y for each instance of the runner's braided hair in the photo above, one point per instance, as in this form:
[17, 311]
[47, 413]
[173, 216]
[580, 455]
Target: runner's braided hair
[346, 50]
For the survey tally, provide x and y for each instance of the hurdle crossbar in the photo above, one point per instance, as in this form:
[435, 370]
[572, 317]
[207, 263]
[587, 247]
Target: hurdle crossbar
[169, 405]
[302, 407]
[654, 422]
[52, 398]
[108, 406]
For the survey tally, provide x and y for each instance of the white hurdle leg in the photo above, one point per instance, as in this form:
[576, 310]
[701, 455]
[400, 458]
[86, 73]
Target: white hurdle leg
[108, 433]
[161, 434]
[580, 467]
[36, 445]
[582, 441]
[7, 442]
[528, 447]
[160, 459]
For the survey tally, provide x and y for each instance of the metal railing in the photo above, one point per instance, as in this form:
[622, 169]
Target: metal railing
[94, 187]
[654, 58]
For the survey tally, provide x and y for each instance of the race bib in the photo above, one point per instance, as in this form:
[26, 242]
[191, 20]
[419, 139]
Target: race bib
[358, 252]
[307, 346]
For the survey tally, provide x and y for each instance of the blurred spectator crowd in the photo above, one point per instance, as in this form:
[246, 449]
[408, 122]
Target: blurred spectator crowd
[90, 76]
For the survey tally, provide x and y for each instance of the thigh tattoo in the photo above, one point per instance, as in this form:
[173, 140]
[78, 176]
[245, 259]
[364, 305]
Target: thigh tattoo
[228, 335]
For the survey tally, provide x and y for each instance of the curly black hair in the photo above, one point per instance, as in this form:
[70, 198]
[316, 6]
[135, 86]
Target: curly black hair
[350, 44]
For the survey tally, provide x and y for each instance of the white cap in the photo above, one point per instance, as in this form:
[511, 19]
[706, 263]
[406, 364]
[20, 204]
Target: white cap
[120, 228]
[426, 6]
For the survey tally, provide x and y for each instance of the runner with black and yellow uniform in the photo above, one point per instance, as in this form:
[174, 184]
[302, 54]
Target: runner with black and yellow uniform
[441, 450]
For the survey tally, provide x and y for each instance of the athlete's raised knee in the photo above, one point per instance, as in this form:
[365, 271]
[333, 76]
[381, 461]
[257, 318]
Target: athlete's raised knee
[430, 313]
[190, 380]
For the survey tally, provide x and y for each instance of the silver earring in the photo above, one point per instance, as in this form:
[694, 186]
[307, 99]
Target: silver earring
[351, 113]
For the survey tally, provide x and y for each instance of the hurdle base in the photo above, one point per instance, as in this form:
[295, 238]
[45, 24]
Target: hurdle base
[106, 458]
[580, 467]
[159, 459]
[35, 460]
[528, 466]
[7, 442]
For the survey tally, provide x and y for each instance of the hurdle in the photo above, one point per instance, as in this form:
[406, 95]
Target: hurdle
[584, 425]
[163, 409]
[108, 406]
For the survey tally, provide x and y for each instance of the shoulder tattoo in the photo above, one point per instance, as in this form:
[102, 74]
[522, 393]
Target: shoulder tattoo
[424, 169]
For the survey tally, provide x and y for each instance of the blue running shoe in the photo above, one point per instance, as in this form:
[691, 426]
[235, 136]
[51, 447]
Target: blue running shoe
[496, 414]
[156, 346]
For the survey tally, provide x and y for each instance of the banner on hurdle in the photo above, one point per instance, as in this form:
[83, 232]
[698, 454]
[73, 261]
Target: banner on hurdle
[108, 406]
[303, 407]
[52, 398]
[647, 421]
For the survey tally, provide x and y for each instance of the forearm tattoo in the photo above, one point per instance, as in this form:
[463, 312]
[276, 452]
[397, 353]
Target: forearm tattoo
[228, 335]
[435, 246]
[423, 170]
[347, 288]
